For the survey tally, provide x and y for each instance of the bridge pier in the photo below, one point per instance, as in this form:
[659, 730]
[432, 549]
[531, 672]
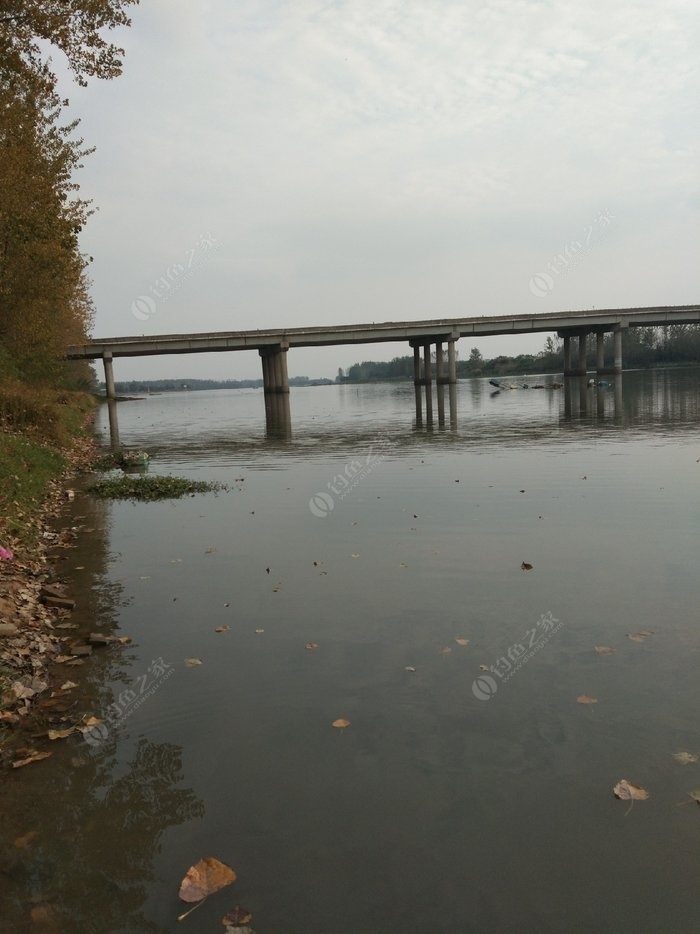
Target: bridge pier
[428, 377]
[274, 368]
[581, 367]
[567, 355]
[617, 353]
[109, 374]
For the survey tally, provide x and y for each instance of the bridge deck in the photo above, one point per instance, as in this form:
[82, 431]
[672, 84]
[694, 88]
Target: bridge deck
[435, 329]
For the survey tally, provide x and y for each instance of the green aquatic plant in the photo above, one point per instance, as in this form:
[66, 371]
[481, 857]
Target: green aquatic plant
[147, 489]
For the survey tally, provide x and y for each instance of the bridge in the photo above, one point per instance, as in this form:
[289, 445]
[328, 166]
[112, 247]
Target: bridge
[272, 344]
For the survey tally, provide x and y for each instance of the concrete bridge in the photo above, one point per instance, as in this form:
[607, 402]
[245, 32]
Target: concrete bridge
[273, 344]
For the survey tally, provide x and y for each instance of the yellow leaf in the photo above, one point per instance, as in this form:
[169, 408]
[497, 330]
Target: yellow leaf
[222, 629]
[192, 662]
[460, 641]
[311, 645]
[586, 699]
[340, 724]
[628, 791]
[61, 734]
[604, 649]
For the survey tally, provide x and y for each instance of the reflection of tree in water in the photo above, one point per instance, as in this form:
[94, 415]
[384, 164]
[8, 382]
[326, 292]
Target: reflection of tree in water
[93, 862]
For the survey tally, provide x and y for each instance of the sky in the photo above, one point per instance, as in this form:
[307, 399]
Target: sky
[281, 163]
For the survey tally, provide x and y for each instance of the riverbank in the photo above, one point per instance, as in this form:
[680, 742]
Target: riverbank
[46, 441]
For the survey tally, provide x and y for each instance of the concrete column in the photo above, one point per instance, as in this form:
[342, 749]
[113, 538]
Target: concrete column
[417, 382]
[453, 406]
[428, 375]
[267, 378]
[441, 404]
[283, 383]
[451, 362]
[109, 374]
[618, 350]
[581, 363]
[567, 355]
[600, 351]
[439, 372]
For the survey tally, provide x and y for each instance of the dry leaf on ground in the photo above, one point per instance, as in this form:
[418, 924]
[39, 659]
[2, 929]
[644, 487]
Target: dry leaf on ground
[61, 734]
[341, 723]
[684, 758]
[26, 838]
[206, 877]
[586, 699]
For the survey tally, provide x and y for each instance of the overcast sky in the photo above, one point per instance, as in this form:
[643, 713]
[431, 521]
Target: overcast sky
[309, 162]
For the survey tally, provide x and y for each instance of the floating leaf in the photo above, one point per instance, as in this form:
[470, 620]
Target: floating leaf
[446, 650]
[237, 917]
[586, 699]
[525, 566]
[684, 758]
[259, 630]
[484, 668]
[26, 838]
[222, 628]
[695, 795]
[341, 723]
[192, 662]
[354, 556]
[639, 636]
[409, 668]
[33, 757]
[604, 649]
[460, 641]
[206, 877]
[311, 645]
[628, 791]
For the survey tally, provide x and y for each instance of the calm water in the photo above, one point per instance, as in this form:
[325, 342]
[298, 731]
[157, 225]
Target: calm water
[437, 810]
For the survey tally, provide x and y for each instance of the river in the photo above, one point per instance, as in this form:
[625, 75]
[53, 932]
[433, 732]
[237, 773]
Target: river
[471, 792]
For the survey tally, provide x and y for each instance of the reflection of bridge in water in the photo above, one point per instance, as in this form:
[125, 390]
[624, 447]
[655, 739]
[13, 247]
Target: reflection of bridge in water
[272, 345]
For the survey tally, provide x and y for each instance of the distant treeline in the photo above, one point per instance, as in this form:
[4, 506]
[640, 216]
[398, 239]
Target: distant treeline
[178, 385]
[641, 347]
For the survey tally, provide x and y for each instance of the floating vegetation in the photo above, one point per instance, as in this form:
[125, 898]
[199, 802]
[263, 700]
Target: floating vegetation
[147, 489]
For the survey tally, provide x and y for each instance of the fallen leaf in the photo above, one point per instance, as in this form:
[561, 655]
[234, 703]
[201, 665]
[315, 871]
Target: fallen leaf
[484, 668]
[222, 628]
[206, 877]
[409, 668]
[525, 566]
[446, 650]
[88, 724]
[684, 758]
[210, 551]
[695, 795]
[8, 716]
[61, 734]
[586, 699]
[63, 658]
[340, 724]
[260, 630]
[193, 662]
[639, 636]
[34, 757]
[604, 649]
[354, 556]
[66, 686]
[460, 641]
[311, 645]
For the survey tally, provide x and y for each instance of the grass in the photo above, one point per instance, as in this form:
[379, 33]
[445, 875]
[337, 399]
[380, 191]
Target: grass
[148, 489]
[26, 468]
